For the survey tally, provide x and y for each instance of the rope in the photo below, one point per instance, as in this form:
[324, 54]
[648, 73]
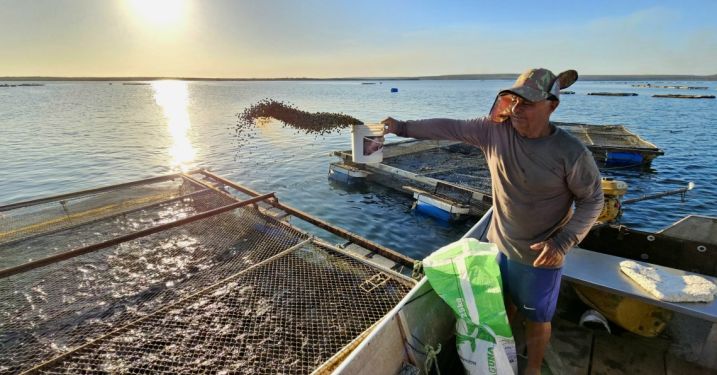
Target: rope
[432, 358]
[417, 272]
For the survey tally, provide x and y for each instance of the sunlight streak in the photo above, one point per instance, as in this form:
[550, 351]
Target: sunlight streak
[173, 97]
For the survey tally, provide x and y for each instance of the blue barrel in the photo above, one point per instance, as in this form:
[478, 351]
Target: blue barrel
[623, 158]
[432, 211]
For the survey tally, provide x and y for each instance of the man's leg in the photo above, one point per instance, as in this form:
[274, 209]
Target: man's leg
[533, 292]
[516, 325]
[537, 337]
[510, 309]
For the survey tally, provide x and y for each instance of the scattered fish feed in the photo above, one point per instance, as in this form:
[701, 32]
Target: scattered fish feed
[318, 123]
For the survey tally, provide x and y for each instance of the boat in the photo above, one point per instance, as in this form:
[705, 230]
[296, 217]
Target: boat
[248, 289]
[422, 322]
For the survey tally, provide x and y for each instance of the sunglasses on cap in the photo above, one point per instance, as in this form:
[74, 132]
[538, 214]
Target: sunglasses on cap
[504, 106]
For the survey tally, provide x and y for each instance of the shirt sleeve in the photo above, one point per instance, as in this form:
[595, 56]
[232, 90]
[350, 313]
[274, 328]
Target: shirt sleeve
[475, 131]
[584, 182]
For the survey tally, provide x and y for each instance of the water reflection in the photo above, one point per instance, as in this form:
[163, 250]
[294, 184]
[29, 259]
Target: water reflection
[173, 97]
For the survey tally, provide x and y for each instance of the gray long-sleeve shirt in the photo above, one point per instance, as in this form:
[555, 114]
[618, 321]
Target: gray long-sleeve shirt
[535, 182]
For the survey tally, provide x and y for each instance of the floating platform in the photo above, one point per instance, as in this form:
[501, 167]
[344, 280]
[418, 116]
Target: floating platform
[613, 93]
[680, 87]
[22, 85]
[614, 144]
[450, 180]
[681, 96]
[186, 273]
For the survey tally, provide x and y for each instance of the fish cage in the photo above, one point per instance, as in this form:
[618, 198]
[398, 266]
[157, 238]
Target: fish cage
[613, 145]
[450, 180]
[186, 273]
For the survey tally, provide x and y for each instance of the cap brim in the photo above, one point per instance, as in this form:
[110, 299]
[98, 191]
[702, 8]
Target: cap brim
[527, 93]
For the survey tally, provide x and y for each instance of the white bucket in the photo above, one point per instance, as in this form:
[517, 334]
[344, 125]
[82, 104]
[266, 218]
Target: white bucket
[367, 143]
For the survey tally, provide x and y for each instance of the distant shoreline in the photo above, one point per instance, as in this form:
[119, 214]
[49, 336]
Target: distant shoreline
[456, 77]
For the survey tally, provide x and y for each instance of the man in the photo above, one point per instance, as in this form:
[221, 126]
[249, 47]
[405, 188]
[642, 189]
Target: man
[538, 172]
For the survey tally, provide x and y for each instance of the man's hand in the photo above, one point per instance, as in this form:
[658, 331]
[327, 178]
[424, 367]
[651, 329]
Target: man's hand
[391, 125]
[550, 256]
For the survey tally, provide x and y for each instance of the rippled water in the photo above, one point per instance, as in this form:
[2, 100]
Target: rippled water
[67, 136]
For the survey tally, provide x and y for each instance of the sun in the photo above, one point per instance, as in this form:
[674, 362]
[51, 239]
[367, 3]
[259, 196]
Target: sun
[159, 13]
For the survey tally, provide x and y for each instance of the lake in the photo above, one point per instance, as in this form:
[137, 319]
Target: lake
[67, 136]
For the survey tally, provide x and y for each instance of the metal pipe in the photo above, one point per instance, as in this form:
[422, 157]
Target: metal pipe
[140, 208]
[227, 182]
[33, 202]
[132, 236]
[368, 244]
[683, 190]
[214, 188]
[405, 280]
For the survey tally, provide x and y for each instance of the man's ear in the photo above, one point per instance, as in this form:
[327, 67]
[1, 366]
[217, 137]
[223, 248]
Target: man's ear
[554, 105]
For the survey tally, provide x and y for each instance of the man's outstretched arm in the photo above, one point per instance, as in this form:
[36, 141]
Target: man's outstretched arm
[475, 132]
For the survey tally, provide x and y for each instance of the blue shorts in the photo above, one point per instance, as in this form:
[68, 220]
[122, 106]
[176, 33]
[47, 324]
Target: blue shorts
[534, 291]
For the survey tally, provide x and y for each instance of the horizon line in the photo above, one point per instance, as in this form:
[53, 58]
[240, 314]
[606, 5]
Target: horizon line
[487, 76]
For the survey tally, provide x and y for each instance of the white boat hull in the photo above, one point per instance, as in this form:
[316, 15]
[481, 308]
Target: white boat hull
[420, 319]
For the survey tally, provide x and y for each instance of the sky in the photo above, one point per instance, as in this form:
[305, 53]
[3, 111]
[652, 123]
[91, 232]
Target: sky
[359, 38]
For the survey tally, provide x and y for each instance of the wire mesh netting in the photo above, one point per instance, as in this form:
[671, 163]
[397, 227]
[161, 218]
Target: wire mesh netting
[292, 313]
[460, 164]
[52, 309]
[606, 136]
[57, 214]
[287, 316]
[16, 252]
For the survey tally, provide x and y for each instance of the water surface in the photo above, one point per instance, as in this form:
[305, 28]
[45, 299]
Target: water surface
[67, 136]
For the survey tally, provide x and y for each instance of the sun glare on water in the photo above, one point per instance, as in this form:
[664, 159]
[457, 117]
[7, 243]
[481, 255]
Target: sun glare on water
[159, 13]
[173, 98]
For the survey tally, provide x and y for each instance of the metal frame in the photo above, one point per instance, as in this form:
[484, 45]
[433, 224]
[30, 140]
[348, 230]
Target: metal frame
[368, 244]
[33, 202]
[87, 249]
[119, 213]
[168, 307]
[256, 197]
[392, 275]
[270, 200]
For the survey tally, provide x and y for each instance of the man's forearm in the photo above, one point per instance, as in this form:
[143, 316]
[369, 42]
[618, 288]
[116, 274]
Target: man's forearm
[586, 212]
[469, 131]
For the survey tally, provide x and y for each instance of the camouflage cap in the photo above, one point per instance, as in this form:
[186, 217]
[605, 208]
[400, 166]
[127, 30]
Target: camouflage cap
[540, 84]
